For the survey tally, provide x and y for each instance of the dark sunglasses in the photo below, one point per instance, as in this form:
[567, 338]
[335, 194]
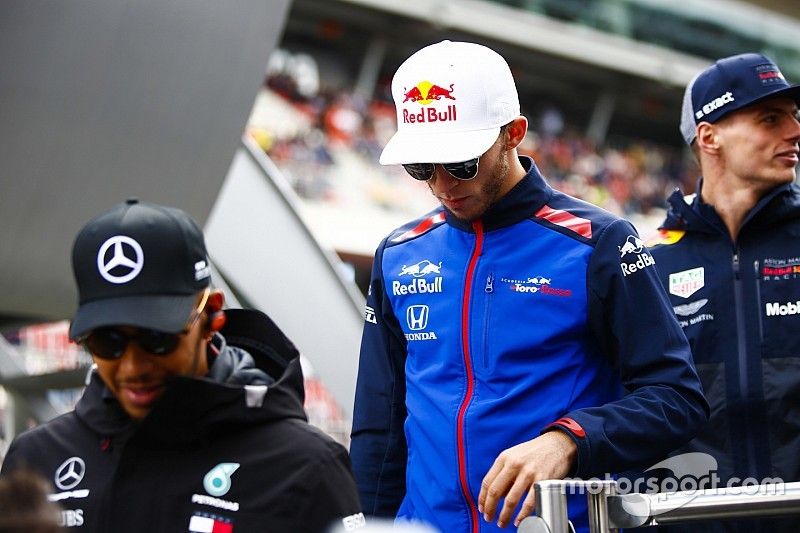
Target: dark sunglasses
[110, 343]
[465, 170]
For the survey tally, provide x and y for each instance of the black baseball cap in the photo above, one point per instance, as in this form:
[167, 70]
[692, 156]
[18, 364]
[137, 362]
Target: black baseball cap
[138, 264]
[730, 84]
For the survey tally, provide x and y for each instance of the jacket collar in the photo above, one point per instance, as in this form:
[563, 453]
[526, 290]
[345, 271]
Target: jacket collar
[240, 394]
[690, 213]
[520, 203]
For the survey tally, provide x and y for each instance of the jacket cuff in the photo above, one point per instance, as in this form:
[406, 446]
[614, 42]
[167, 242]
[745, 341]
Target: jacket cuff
[574, 431]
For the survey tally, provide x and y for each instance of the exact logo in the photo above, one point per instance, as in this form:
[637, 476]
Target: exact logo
[70, 473]
[125, 263]
[714, 104]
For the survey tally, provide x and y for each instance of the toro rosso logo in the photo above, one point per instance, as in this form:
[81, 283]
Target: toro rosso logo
[426, 93]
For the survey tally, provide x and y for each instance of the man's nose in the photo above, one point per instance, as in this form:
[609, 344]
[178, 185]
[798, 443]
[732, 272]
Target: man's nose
[442, 179]
[134, 360]
[794, 130]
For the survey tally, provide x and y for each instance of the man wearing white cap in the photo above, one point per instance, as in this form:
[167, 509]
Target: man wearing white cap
[512, 335]
[729, 256]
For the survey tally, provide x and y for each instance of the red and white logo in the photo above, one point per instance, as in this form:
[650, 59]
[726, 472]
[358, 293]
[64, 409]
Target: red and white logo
[426, 93]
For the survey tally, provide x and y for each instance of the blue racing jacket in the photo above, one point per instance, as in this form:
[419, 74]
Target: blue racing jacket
[739, 305]
[546, 313]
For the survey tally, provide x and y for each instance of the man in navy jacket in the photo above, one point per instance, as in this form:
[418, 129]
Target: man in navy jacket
[730, 259]
[513, 335]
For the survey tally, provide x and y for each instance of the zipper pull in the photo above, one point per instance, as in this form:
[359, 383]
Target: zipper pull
[736, 265]
[489, 283]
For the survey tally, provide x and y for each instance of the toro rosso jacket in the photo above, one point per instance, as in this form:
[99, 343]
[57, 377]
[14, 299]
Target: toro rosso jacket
[228, 453]
[739, 305]
[544, 314]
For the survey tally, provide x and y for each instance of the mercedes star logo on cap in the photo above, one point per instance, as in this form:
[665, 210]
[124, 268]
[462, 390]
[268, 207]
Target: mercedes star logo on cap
[127, 256]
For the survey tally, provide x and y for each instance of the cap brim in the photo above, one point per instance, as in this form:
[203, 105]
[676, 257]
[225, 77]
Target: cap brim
[168, 313]
[434, 147]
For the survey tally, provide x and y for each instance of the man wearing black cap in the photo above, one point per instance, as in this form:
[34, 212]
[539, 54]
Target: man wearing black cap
[193, 419]
[729, 257]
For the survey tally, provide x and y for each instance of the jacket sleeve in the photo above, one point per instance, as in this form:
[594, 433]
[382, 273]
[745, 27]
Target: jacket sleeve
[378, 445]
[333, 498]
[630, 316]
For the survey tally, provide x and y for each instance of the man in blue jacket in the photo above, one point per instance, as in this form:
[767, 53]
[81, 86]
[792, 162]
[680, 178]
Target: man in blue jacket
[729, 256]
[514, 334]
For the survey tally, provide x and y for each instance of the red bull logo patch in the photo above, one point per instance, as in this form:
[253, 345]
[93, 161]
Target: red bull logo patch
[425, 93]
[769, 74]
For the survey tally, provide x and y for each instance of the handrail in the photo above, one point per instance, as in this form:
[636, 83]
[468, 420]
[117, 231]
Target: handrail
[609, 511]
[634, 510]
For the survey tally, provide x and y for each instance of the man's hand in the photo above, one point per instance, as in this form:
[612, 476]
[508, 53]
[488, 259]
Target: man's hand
[548, 456]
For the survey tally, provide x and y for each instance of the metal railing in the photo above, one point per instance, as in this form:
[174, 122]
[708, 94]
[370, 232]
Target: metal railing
[609, 511]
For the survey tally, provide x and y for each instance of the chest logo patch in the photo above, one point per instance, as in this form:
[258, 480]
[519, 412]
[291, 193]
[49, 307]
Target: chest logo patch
[687, 282]
[217, 481]
[70, 473]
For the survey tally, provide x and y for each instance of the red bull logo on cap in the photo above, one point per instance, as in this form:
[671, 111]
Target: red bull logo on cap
[426, 93]
[769, 74]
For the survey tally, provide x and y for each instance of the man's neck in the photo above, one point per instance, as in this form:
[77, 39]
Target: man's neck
[732, 201]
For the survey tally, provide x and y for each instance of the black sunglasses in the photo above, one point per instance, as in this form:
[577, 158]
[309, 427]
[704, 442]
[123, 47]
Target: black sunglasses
[110, 342]
[465, 170]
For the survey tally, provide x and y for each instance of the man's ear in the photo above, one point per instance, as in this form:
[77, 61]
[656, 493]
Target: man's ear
[707, 138]
[216, 316]
[515, 132]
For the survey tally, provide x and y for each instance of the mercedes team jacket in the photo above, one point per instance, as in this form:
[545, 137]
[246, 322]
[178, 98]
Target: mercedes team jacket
[225, 455]
[739, 305]
[545, 313]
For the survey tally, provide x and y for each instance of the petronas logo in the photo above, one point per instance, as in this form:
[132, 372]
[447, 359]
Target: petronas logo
[218, 480]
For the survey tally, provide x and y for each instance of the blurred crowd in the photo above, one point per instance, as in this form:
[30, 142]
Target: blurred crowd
[328, 146]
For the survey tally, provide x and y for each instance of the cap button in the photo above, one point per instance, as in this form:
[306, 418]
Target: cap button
[132, 201]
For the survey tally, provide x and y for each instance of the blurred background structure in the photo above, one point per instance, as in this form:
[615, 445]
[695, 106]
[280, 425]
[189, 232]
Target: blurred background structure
[264, 119]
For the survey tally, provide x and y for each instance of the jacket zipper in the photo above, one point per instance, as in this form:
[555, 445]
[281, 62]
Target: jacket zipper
[488, 289]
[758, 301]
[741, 337]
[477, 226]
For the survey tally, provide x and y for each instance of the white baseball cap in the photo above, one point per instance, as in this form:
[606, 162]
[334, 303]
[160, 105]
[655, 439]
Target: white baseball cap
[451, 99]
